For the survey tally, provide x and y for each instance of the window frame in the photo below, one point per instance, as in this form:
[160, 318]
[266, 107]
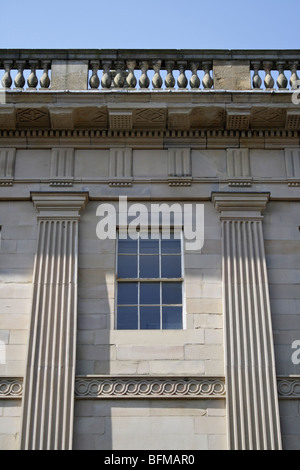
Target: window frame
[160, 280]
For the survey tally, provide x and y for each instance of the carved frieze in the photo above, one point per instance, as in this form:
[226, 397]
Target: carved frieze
[149, 387]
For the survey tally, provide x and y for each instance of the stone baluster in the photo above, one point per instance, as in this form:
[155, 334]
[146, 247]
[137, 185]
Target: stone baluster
[32, 81]
[157, 80]
[94, 80]
[251, 389]
[256, 80]
[182, 81]
[45, 80]
[294, 80]
[282, 81]
[48, 399]
[119, 80]
[195, 80]
[6, 79]
[268, 81]
[19, 79]
[106, 77]
[170, 80]
[131, 80]
[144, 81]
[207, 80]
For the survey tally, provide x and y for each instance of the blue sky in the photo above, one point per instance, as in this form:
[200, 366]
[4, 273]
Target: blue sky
[152, 24]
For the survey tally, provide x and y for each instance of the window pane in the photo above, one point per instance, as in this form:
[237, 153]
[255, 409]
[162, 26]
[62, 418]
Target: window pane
[172, 318]
[127, 293]
[149, 246]
[127, 266]
[150, 318]
[171, 246]
[149, 266]
[127, 246]
[149, 293]
[171, 293]
[171, 266]
[127, 318]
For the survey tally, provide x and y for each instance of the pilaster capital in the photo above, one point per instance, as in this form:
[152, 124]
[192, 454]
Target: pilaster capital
[62, 205]
[237, 205]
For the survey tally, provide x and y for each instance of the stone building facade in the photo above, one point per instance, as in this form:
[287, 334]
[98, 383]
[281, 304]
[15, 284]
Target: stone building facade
[88, 358]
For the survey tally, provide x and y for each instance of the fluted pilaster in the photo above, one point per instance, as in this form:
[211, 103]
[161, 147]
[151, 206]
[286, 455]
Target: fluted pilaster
[49, 382]
[252, 400]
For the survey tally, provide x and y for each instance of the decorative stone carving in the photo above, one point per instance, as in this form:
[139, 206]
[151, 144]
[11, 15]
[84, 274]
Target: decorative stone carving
[45, 80]
[32, 80]
[251, 389]
[282, 81]
[238, 119]
[256, 80]
[293, 120]
[289, 387]
[267, 118]
[120, 120]
[131, 80]
[148, 387]
[6, 79]
[11, 388]
[144, 81]
[20, 80]
[94, 80]
[150, 118]
[7, 166]
[157, 80]
[269, 80]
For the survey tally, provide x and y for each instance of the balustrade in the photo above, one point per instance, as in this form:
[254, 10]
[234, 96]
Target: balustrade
[149, 70]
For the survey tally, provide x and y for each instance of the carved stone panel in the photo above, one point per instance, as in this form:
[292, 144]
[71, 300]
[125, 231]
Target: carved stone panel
[238, 167]
[7, 166]
[62, 167]
[292, 164]
[120, 167]
[179, 167]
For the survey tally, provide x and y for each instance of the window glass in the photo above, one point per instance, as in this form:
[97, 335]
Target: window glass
[171, 318]
[149, 318]
[149, 266]
[146, 299]
[128, 293]
[171, 293]
[127, 318]
[171, 266]
[150, 293]
[127, 266]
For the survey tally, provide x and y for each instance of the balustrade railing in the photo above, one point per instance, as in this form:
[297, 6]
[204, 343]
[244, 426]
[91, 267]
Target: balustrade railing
[150, 70]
